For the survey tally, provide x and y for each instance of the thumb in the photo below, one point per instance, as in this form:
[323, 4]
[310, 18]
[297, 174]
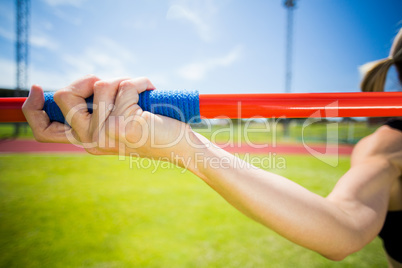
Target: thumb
[35, 100]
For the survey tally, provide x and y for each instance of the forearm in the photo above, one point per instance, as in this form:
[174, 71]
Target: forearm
[280, 204]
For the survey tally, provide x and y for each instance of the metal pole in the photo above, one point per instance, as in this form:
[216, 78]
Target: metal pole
[289, 105]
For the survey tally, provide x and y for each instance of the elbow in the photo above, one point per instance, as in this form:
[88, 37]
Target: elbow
[351, 236]
[338, 252]
[339, 255]
[336, 257]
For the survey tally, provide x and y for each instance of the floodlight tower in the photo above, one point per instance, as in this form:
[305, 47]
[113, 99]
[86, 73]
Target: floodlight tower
[290, 5]
[21, 53]
[22, 43]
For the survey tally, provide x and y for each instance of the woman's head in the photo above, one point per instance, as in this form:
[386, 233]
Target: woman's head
[375, 73]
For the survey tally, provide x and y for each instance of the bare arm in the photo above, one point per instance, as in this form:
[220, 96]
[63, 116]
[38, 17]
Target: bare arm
[336, 226]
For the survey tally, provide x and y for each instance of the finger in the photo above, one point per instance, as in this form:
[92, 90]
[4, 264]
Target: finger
[71, 101]
[128, 92]
[104, 97]
[42, 128]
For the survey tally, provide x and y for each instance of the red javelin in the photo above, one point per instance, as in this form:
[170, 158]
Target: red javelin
[289, 105]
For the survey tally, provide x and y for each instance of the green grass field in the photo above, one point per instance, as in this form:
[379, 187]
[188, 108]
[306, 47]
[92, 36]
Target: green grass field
[7, 130]
[87, 211]
[259, 133]
[272, 131]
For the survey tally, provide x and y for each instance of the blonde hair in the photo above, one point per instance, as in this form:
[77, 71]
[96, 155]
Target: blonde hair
[375, 73]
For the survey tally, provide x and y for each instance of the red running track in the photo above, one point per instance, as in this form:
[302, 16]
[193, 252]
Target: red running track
[31, 146]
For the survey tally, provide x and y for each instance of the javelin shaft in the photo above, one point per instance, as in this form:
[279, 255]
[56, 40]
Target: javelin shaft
[289, 105]
[10, 110]
[302, 105]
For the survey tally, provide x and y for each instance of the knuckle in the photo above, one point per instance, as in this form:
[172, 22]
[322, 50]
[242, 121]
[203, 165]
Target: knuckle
[126, 84]
[92, 77]
[61, 95]
[100, 86]
[39, 137]
[146, 79]
[130, 85]
[143, 79]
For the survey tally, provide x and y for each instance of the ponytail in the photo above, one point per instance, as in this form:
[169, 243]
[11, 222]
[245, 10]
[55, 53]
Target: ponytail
[375, 73]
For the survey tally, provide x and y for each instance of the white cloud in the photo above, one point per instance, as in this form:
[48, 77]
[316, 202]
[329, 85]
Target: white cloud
[198, 70]
[42, 41]
[202, 15]
[120, 51]
[160, 80]
[143, 24]
[75, 3]
[7, 11]
[47, 25]
[9, 35]
[177, 12]
[107, 59]
[36, 40]
[68, 17]
[52, 80]
[7, 73]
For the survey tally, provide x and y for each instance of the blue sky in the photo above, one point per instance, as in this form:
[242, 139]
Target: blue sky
[214, 46]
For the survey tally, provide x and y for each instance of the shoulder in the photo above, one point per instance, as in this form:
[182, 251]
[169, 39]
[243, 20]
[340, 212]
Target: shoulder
[384, 142]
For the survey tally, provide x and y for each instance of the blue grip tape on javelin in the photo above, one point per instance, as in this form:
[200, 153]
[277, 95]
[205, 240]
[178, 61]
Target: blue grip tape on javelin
[181, 105]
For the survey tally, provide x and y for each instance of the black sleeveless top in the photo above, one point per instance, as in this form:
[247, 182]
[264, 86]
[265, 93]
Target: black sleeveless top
[391, 232]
